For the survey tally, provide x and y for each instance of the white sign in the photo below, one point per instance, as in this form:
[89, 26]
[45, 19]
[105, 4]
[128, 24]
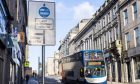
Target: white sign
[41, 23]
[44, 23]
[36, 37]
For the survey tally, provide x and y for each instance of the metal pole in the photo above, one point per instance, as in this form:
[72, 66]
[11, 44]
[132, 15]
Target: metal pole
[38, 66]
[43, 64]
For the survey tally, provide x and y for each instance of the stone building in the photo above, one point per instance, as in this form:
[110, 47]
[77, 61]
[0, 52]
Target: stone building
[50, 66]
[103, 32]
[130, 27]
[56, 61]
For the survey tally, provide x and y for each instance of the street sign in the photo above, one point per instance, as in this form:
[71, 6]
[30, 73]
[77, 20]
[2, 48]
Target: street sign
[41, 23]
[26, 64]
[44, 11]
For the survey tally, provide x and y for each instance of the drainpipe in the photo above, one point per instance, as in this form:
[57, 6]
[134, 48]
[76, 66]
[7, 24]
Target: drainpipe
[120, 38]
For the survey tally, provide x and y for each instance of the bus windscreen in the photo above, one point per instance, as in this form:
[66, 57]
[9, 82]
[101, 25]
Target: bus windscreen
[93, 56]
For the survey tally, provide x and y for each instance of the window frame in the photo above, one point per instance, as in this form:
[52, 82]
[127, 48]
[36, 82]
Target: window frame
[125, 17]
[136, 36]
[127, 40]
[134, 11]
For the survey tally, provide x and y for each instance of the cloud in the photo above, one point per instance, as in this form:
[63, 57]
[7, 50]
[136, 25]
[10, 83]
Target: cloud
[83, 10]
[60, 7]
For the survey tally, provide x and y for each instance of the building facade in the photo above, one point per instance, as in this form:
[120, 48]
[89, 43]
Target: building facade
[56, 62]
[50, 66]
[12, 32]
[3, 50]
[130, 27]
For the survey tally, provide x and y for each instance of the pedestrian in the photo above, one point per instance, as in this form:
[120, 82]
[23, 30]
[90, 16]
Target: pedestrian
[27, 78]
[34, 74]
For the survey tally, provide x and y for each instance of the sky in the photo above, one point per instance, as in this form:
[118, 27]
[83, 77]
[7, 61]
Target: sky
[68, 14]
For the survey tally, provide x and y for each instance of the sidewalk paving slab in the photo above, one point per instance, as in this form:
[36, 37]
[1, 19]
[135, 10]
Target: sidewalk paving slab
[31, 81]
[108, 82]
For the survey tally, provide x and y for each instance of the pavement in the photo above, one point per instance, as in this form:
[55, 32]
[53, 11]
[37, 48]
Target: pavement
[32, 80]
[120, 83]
[56, 80]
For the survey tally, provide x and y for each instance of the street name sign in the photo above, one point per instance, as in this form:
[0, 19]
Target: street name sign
[41, 23]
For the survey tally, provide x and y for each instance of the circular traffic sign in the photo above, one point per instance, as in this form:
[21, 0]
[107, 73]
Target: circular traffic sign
[44, 12]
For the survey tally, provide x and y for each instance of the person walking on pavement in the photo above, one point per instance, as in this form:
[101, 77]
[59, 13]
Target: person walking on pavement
[27, 78]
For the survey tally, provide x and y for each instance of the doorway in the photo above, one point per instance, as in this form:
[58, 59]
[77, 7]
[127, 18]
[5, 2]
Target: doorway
[129, 71]
[119, 71]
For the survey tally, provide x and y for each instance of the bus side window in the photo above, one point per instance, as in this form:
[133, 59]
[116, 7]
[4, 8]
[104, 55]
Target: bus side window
[92, 55]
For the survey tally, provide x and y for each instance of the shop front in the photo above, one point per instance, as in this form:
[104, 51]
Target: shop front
[1, 67]
[15, 63]
[114, 67]
[3, 33]
[137, 68]
[108, 65]
[133, 65]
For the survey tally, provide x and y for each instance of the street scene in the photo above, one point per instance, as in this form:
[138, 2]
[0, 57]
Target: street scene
[69, 41]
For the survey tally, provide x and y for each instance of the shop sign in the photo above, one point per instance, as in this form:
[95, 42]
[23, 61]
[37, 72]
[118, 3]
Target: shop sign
[21, 37]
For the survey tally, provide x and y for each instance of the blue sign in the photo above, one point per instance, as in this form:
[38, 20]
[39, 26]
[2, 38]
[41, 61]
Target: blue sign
[44, 12]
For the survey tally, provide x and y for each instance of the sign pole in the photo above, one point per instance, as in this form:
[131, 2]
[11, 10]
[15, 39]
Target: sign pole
[41, 24]
[38, 65]
[43, 59]
[43, 64]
